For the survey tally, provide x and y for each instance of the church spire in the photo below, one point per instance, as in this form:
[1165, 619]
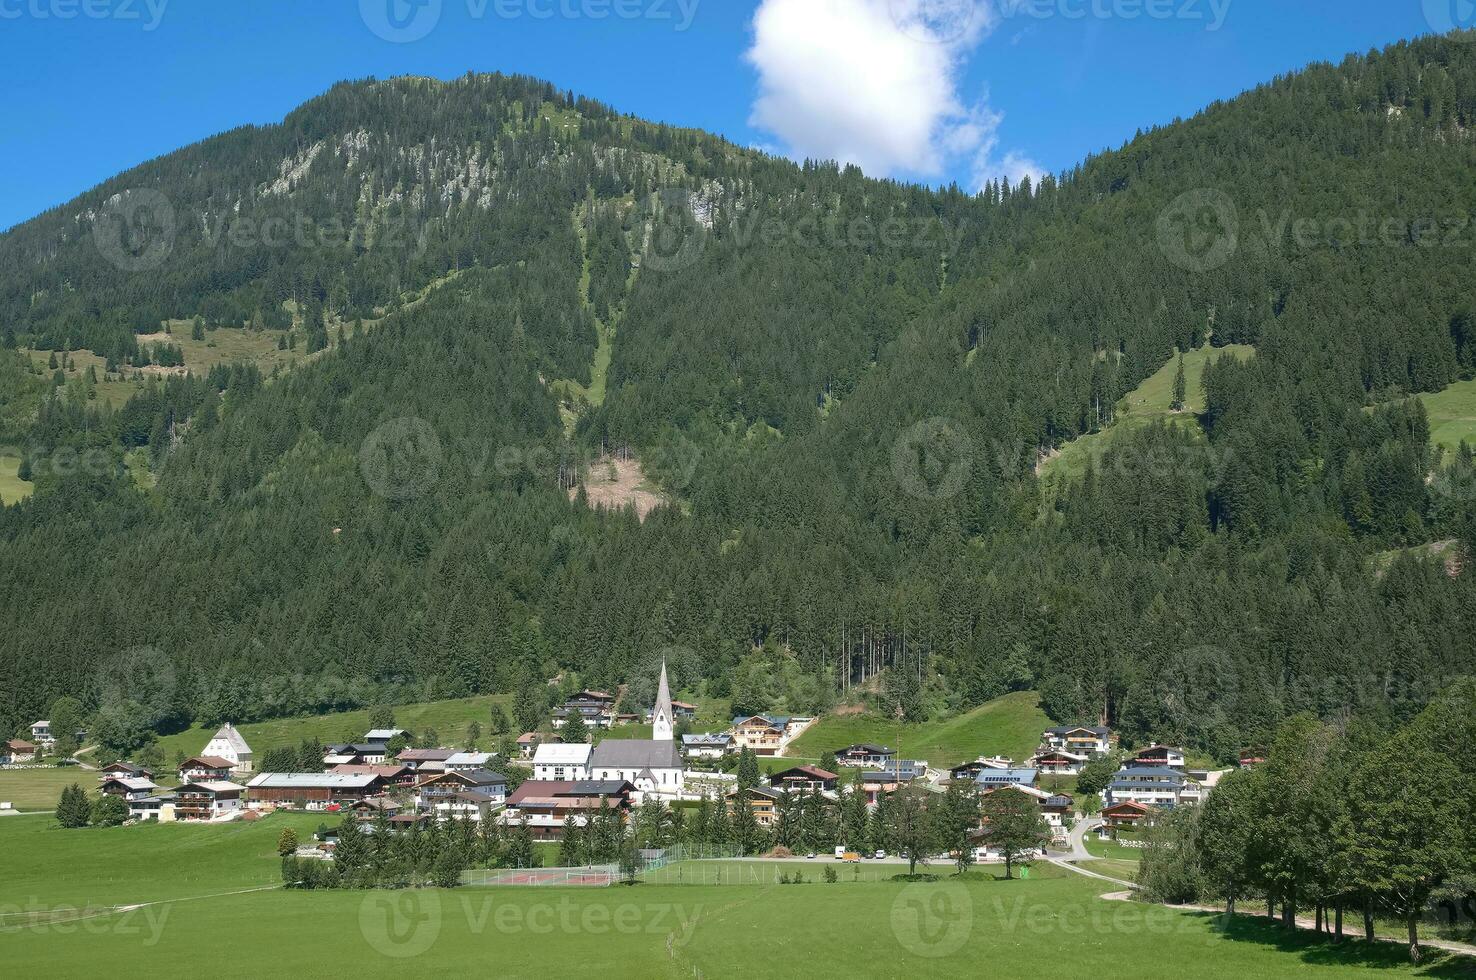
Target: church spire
[661, 718]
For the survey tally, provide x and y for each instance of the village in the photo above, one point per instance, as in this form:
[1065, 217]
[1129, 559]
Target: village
[550, 785]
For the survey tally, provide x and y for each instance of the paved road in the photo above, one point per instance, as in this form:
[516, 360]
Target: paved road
[1079, 852]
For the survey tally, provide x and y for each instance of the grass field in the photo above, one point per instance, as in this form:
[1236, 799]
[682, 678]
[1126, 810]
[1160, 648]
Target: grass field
[39, 789]
[12, 487]
[1053, 924]
[1009, 726]
[1149, 402]
[448, 718]
[1452, 415]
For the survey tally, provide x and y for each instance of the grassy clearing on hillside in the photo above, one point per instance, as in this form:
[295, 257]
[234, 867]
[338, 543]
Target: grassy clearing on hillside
[12, 487]
[1452, 415]
[1053, 924]
[448, 718]
[1009, 726]
[1149, 402]
[39, 789]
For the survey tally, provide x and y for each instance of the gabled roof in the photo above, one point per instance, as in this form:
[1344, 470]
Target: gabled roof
[562, 753]
[383, 734]
[477, 759]
[1133, 805]
[132, 783]
[386, 772]
[807, 772]
[232, 738]
[773, 721]
[1146, 771]
[720, 738]
[206, 762]
[1098, 730]
[313, 780]
[20, 745]
[121, 766]
[865, 748]
[468, 777]
[528, 737]
[425, 755]
[1005, 777]
[620, 753]
[212, 786]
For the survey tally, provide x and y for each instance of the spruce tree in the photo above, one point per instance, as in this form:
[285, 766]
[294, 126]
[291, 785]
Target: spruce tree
[73, 810]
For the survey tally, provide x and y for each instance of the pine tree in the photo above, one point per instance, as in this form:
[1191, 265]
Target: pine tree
[1179, 386]
[287, 841]
[73, 810]
[574, 730]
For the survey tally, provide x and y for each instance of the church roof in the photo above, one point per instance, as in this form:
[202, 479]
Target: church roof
[623, 753]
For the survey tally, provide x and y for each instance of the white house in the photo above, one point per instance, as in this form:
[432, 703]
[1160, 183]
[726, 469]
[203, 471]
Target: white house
[229, 745]
[1082, 739]
[1157, 786]
[707, 746]
[42, 735]
[560, 761]
[210, 800]
[463, 761]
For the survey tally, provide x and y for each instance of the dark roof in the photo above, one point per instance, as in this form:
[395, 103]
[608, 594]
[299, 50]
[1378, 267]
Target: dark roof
[208, 762]
[621, 753]
[1067, 729]
[809, 772]
[357, 748]
[425, 755]
[864, 749]
[597, 787]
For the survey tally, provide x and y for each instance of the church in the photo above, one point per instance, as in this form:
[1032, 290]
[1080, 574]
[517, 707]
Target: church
[654, 766]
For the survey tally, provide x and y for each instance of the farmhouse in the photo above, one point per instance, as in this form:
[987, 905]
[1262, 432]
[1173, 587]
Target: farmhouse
[311, 790]
[707, 746]
[205, 768]
[562, 761]
[18, 750]
[1059, 761]
[1128, 814]
[969, 771]
[469, 793]
[1169, 756]
[356, 754]
[763, 800]
[128, 787]
[1081, 739]
[876, 756]
[804, 779]
[227, 743]
[385, 735]
[211, 800]
[545, 806]
[123, 770]
[371, 807]
[152, 807]
[527, 742]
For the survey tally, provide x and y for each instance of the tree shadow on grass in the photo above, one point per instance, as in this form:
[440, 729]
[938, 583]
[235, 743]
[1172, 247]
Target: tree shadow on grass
[1322, 950]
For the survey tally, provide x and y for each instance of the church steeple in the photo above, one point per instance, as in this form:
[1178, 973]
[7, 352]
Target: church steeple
[661, 717]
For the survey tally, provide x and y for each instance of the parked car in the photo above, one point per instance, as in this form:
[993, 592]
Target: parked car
[880, 854]
[840, 853]
[810, 856]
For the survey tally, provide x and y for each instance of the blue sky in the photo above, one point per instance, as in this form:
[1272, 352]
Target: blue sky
[931, 90]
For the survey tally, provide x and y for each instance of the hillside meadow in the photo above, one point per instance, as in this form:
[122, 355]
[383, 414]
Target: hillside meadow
[1008, 726]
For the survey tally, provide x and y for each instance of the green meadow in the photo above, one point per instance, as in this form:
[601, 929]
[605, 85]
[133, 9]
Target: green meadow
[39, 789]
[1150, 402]
[450, 720]
[1008, 726]
[192, 886]
[1452, 415]
[12, 487]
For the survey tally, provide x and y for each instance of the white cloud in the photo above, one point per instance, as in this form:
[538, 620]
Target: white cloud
[876, 83]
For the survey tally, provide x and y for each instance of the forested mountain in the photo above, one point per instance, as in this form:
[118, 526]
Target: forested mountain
[844, 384]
